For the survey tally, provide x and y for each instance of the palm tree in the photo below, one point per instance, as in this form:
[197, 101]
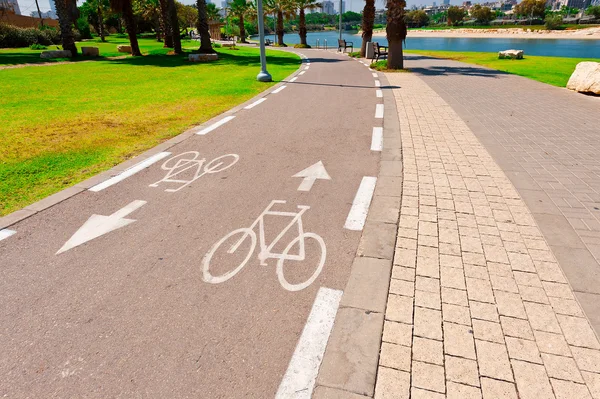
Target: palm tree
[174, 22]
[368, 19]
[202, 26]
[124, 7]
[283, 8]
[240, 8]
[166, 24]
[396, 33]
[302, 6]
[212, 12]
[63, 10]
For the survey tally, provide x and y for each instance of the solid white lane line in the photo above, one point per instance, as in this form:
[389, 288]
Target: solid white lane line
[278, 90]
[293, 79]
[129, 172]
[379, 93]
[306, 67]
[379, 111]
[360, 206]
[377, 83]
[5, 233]
[255, 103]
[299, 379]
[374, 75]
[302, 73]
[377, 139]
[215, 125]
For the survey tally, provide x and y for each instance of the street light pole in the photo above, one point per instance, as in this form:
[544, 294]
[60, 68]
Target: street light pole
[340, 19]
[263, 75]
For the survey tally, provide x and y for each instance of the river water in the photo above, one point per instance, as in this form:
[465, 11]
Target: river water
[549, 47]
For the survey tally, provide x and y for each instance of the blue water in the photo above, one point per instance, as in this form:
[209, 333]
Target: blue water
[548, 47]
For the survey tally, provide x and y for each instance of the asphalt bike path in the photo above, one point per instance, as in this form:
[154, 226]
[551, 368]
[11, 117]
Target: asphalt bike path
[195, 274]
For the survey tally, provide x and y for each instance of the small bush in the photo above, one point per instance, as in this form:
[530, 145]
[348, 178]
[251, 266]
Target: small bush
[83, 27]
[12, 36]
[216, 45]
[37, 46]
[354, 54]
[301, 46]
[553, 21]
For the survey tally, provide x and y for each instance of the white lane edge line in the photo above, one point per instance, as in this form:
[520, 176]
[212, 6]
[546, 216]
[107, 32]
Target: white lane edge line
[306, 67]
[301, 374]
[278, 90]
[293, 79]
[302, 73]
[360, 206]
[379, 93]
[215, 125]
[377, 83]
[5, 233]
[255, 103]
[377, 139]
[129, 172]
[374, 75]
[379, 111]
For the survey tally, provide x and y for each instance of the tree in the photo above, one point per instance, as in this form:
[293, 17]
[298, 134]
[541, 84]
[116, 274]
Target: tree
[165, 23]
[65, 21]
[202, 26]
[174, 22]
[481, 14]
[531, 8]
[553, 21]
[396, 33]
[188, 15]
[368, 20]
[417, 18]
[302, 6]
[213, 12]
[240, 8]
[593, 10]
[351, 16]
[283, 9]
[125, 8]
[456, 15]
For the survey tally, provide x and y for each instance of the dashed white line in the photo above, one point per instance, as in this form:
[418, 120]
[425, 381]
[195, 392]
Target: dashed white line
[299, 379]
[379, 111]
[279, 89]
[302, 73]
[379, 93]
[255, 103]
[129, 172]
[360, 206]
[377, 139]
[293, 79]
[308, 63]
[306, 67]
[377, 83]
[215, 125]
[374, 75]
[5, 233]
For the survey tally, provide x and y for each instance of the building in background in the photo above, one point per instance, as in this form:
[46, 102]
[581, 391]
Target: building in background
[327, 7]
[446, 2]
[10, 5]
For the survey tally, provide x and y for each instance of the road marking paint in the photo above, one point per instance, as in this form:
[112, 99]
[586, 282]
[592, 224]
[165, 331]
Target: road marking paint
[379, 93]
[370, 69]
[379, 111]
[360, 206]
[306, 68]
[255, 103]
[5, 233]
[302, 73]
[377, 139]
[311, 174]
[278, 90]
[215, 125]
[299, 379]
[308, 63]
[377, 83]
[293, 79]
[374, 75]
[98, 225]
[129, 172]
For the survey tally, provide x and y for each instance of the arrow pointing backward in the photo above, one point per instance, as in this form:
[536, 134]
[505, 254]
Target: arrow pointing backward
[98, 225]
[310, 174]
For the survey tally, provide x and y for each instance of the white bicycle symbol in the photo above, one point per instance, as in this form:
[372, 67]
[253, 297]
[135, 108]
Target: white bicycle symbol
[186, 168]
[266, 251]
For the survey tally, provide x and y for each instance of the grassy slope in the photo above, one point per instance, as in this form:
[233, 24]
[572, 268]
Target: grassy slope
[552, 70]
[63, 123]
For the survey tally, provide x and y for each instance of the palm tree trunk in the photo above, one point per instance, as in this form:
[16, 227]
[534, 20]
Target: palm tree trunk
[100, 23]
[242, 29]
[39, 13]
[367, 25]
[395, 58]
[66, 29]
[166, 23]
[174, 26]
[396, 33]
[202, 26]
[280, 30]
[131, 28]
[302, 27]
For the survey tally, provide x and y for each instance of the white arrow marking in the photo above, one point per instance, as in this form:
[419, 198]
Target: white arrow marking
[310, 174]
[98, 225]
[5, 233]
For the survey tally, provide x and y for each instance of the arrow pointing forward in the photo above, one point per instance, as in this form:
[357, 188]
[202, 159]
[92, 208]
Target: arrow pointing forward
[98, 225]
[310, 174]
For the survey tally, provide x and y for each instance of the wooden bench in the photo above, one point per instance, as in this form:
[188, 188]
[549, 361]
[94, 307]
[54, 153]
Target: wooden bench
[379, 51]
[343, 45]
[268, 42]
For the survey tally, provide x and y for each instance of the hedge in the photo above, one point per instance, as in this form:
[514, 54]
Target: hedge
[12, 36]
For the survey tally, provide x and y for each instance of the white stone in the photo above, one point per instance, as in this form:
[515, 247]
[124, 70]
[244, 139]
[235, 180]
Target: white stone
[513, 54]
[124, 49]
[56, 54]
[586, 78]
[203, 57]
[90, 51]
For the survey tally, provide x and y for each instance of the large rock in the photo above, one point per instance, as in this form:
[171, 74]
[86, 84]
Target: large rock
[512, 54]
[203, 57]
[586, 78]
[90, 51]
[56, 54]
[124, 49]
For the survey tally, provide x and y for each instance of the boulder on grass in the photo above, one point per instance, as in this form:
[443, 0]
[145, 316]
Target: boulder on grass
[90, 51]
[203, 57]
[56, 54]
[511, 54]
[124, 49]
[586, 78]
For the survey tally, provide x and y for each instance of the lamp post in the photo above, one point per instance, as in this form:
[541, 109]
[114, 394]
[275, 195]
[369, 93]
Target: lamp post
[263, 75]
[340, 19]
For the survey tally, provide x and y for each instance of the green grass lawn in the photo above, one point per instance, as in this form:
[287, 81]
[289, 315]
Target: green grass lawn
[552, 70]
[61, 124]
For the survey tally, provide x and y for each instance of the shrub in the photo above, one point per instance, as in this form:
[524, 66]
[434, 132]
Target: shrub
[12, 36]
[83, 27]
[37, 46]
[216, 45]
[553, 21]
[301, 46]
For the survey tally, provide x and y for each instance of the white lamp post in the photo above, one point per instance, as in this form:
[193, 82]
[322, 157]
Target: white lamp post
[263, 75]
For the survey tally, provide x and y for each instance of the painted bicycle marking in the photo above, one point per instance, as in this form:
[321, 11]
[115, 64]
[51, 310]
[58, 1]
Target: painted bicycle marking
[266, 251]
[186, 168]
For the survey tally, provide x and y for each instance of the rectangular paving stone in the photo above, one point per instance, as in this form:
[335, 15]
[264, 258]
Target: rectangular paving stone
[561, 367]
[428, 351]
[532, 380]
[458, 341]
[522, 349]
[462, 370]
[392, 384]
[395, 356]
[428, 323]
[578, 331]
[494, 389]
[479, 290]
[397, 333]
[493, 360]
[399, 308]
[428, 376]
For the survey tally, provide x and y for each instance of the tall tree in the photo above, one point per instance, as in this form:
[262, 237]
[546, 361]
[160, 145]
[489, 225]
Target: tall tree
[202, 26]
[174, 21]
[368, 20]
[125, 8]
[165, 22]
[283, 9]
[212, 12]
[396, 33]
[100, 11]
[240, 8]
[65, 21]
[302, 6]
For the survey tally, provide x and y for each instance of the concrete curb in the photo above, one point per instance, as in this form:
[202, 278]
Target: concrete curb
[30, 210]
[349, 366]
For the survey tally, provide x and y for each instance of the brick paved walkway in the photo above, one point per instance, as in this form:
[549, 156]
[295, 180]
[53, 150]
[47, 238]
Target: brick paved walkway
[478, 306]
[547, 141]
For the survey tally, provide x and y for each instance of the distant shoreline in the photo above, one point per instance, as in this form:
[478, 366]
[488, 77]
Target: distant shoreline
[510, 33]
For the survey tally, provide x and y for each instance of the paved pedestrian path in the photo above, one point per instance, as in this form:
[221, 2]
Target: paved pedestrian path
[478, 305]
